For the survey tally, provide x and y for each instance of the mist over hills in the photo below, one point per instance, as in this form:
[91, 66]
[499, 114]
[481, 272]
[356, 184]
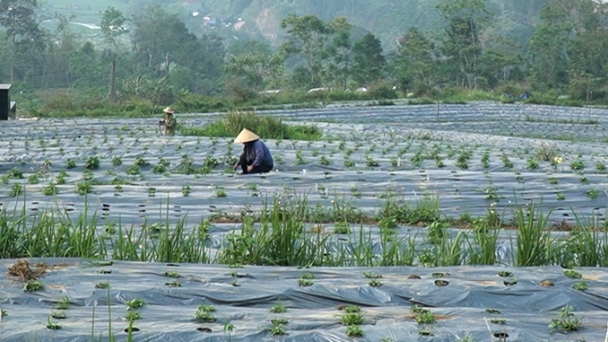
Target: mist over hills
[260, 19]
[387, 19]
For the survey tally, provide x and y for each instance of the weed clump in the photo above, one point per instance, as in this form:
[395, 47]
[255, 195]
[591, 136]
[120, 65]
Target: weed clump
[268, 127]
[22, 270]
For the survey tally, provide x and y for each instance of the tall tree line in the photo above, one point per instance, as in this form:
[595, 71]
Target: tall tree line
[153, 55]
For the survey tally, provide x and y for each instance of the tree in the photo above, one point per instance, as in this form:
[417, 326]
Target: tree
[112, 26]
[587, 59]
[414, 64]
[22, 29]
[241, 46]
[57, 55]
[462, 46]
[369, 62]
[307, 37]
[204, 58]
[157, 37]
[499, 60]
[340, 51]
[548, 45]
[257, 69]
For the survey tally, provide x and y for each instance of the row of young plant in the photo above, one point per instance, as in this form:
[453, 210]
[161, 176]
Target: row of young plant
[278, 236]
[398, 152]
[565, 322]
[57, 182]
[60, 312]
[352, 317]
[545, 157]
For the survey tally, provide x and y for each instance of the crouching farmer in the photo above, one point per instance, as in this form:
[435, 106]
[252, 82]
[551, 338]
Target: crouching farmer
[256, 157]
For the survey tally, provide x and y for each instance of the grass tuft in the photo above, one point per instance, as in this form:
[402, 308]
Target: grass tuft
[267, 127]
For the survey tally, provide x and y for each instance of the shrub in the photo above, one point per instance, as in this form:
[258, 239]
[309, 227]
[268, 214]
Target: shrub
[382, 91]
[267, 127]
[199, 103]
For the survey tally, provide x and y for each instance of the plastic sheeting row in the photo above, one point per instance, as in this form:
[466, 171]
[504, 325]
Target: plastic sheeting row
[458, 297]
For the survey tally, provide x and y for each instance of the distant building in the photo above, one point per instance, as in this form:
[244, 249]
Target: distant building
[209, 21]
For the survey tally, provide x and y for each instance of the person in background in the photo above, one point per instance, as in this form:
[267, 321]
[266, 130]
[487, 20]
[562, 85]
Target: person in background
[169, 122]
[256, 157]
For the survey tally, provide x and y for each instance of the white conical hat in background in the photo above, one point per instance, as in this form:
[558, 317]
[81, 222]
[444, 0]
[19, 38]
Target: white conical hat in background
[169, 110]
[245, 136]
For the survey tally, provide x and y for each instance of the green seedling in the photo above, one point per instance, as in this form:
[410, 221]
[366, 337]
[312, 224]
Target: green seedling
[307, 275]
[102, 285]
[229, 328]
[63, 303]
[352, 319]
[49, 190]
[580, 286]
[172, 274]
[16, 190]
[352, 309]
[572, 274]
[425, 332]
[132, 316]
[425, 317]
[342, 228]
[32, 286]
[372, 275]
[92, 163]
[204, 316]
[500, 321]
[439, 274]
[566, 322]
[206, 308]
[375, 283]
[354, 331]
[305, 282]
[279, 307]
[135, 304]
[592, 193]
[277, 330]
[279, 321]
[468, 338]
[116, 161]
[417, 309]
[52, 326]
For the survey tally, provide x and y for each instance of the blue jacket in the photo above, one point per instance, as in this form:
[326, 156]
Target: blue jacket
[258, 152]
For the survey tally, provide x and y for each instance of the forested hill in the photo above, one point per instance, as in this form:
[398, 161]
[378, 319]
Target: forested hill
[164, 50]
[387, 19]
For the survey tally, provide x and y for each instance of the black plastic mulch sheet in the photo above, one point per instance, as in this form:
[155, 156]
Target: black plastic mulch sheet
[313, 312]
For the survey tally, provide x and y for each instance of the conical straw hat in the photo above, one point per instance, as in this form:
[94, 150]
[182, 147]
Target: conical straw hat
[246, 136]
[168, 110]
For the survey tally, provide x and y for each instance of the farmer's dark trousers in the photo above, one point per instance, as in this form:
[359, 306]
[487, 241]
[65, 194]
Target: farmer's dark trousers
[262, 168]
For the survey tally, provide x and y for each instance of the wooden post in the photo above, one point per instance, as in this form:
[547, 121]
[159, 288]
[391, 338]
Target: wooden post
[112, 79]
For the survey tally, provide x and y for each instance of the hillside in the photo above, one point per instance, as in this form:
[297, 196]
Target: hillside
[387, 19]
